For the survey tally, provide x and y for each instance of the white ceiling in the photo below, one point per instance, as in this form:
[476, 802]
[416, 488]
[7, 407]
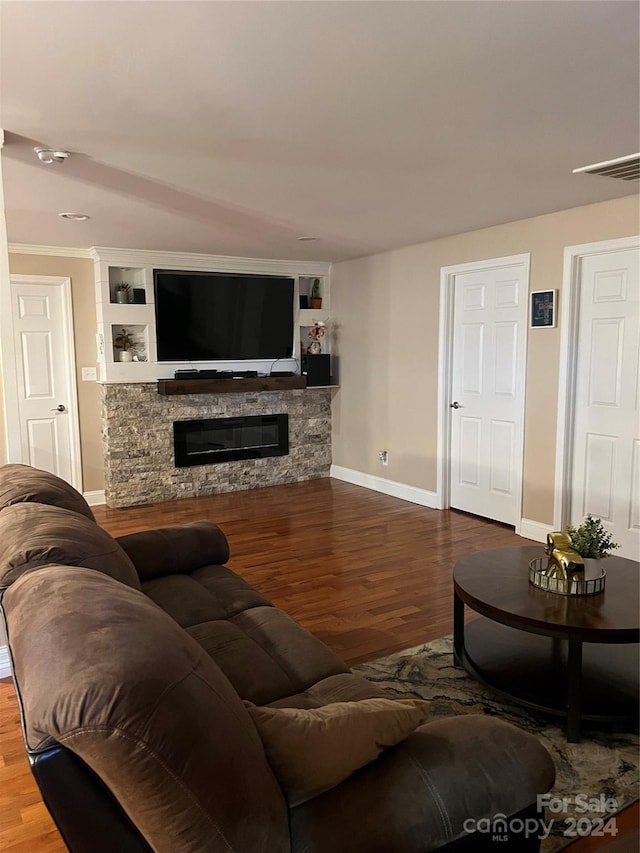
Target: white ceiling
[238, 127]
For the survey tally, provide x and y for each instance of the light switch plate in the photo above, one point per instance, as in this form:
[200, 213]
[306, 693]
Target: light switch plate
[89, 374]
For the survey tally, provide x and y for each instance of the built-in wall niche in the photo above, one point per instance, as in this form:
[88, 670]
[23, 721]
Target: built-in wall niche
[324, 340]
[131, 339]
[127, 286]
[311, 288]
[308, 286]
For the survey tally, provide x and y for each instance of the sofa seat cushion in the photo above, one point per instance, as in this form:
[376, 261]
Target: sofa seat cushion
[265, 654]
[205, 595]
[311, 750]
[424, 792]
[343, 687]
[103, 671]
[33, 535]
[22, 483]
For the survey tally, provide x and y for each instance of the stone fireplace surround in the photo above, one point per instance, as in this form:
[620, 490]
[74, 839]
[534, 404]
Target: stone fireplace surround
[137, 434]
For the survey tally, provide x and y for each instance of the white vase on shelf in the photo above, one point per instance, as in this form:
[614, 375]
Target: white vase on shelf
[126, 355]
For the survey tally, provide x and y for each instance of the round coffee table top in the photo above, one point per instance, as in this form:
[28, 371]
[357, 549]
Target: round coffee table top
[496, 584]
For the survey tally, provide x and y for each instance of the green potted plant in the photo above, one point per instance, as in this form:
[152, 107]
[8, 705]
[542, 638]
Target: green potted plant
[126, 342]
[123, 292]
[593, 542]
[316, 299]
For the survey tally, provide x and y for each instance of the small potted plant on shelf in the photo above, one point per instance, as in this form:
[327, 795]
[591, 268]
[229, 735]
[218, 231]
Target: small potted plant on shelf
[123, 292]
[316, 299]
[126, 342]
[593, 542]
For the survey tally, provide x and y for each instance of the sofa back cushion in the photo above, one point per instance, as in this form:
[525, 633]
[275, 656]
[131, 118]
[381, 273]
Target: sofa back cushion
[22, 483]
[33, 535]
[103, 671]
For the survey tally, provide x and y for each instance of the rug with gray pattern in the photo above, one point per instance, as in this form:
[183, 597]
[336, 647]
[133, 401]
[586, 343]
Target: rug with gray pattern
[594, 778]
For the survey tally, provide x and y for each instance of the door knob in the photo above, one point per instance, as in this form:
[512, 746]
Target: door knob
[59, 408]
[455, 405]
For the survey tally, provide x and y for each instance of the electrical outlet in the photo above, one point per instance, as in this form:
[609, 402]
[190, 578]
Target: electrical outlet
[383, 456]
[89, 374]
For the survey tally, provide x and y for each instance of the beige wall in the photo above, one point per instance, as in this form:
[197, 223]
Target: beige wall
[3, 431]
[386, 336]
[80, 271]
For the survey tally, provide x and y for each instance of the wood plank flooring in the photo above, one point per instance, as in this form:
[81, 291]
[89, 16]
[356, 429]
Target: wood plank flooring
[366, 573]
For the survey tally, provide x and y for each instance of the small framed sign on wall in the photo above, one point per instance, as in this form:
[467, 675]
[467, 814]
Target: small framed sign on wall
[543, 309]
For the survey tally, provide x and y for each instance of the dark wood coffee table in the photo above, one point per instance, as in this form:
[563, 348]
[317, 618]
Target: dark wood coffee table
[576, 656]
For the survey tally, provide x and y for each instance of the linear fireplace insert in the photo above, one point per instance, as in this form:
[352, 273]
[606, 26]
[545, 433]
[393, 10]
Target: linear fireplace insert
[211, 440]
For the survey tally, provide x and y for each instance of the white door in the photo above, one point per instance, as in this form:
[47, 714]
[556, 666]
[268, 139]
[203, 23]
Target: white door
[45, 375]
[605, 478]
[487, 390]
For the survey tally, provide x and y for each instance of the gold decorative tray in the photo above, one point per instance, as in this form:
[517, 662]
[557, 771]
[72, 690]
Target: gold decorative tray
[539, 578]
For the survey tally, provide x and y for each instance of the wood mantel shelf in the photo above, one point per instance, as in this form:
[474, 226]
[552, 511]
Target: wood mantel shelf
[171, 387]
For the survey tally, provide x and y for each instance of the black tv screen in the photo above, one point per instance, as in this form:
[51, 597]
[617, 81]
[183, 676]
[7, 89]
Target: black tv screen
[204, 316]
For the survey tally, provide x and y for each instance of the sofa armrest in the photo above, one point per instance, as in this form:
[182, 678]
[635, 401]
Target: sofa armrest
[427, 791]
[175, 550]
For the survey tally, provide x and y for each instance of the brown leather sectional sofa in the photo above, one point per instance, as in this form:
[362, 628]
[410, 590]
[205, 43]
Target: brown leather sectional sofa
[132, 658]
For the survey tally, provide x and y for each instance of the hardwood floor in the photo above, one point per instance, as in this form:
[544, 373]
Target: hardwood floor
[366, 573]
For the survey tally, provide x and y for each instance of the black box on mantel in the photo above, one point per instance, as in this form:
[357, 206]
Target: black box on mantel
[317, 369]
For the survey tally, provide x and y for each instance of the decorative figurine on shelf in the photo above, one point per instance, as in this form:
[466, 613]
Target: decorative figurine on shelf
[316, 332]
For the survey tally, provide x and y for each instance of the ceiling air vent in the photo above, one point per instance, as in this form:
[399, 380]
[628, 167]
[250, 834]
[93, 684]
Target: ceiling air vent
[624, 168]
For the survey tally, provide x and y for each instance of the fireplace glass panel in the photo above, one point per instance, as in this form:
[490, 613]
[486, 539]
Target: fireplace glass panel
[212, 440]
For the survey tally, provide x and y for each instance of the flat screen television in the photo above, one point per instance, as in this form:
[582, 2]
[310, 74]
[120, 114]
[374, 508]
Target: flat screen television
[209, 316]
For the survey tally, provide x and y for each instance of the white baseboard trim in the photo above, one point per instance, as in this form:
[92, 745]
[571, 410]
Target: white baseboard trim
[534, 530]
[387, 487]
[5, 665]
[96, 498]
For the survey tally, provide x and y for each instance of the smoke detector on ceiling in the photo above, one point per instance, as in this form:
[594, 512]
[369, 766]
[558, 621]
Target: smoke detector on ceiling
[623, 168]
[51, 155]
[75, 217]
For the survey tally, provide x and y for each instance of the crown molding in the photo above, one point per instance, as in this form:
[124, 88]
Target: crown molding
[55, 251]
[175, 260]
[221, 263]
